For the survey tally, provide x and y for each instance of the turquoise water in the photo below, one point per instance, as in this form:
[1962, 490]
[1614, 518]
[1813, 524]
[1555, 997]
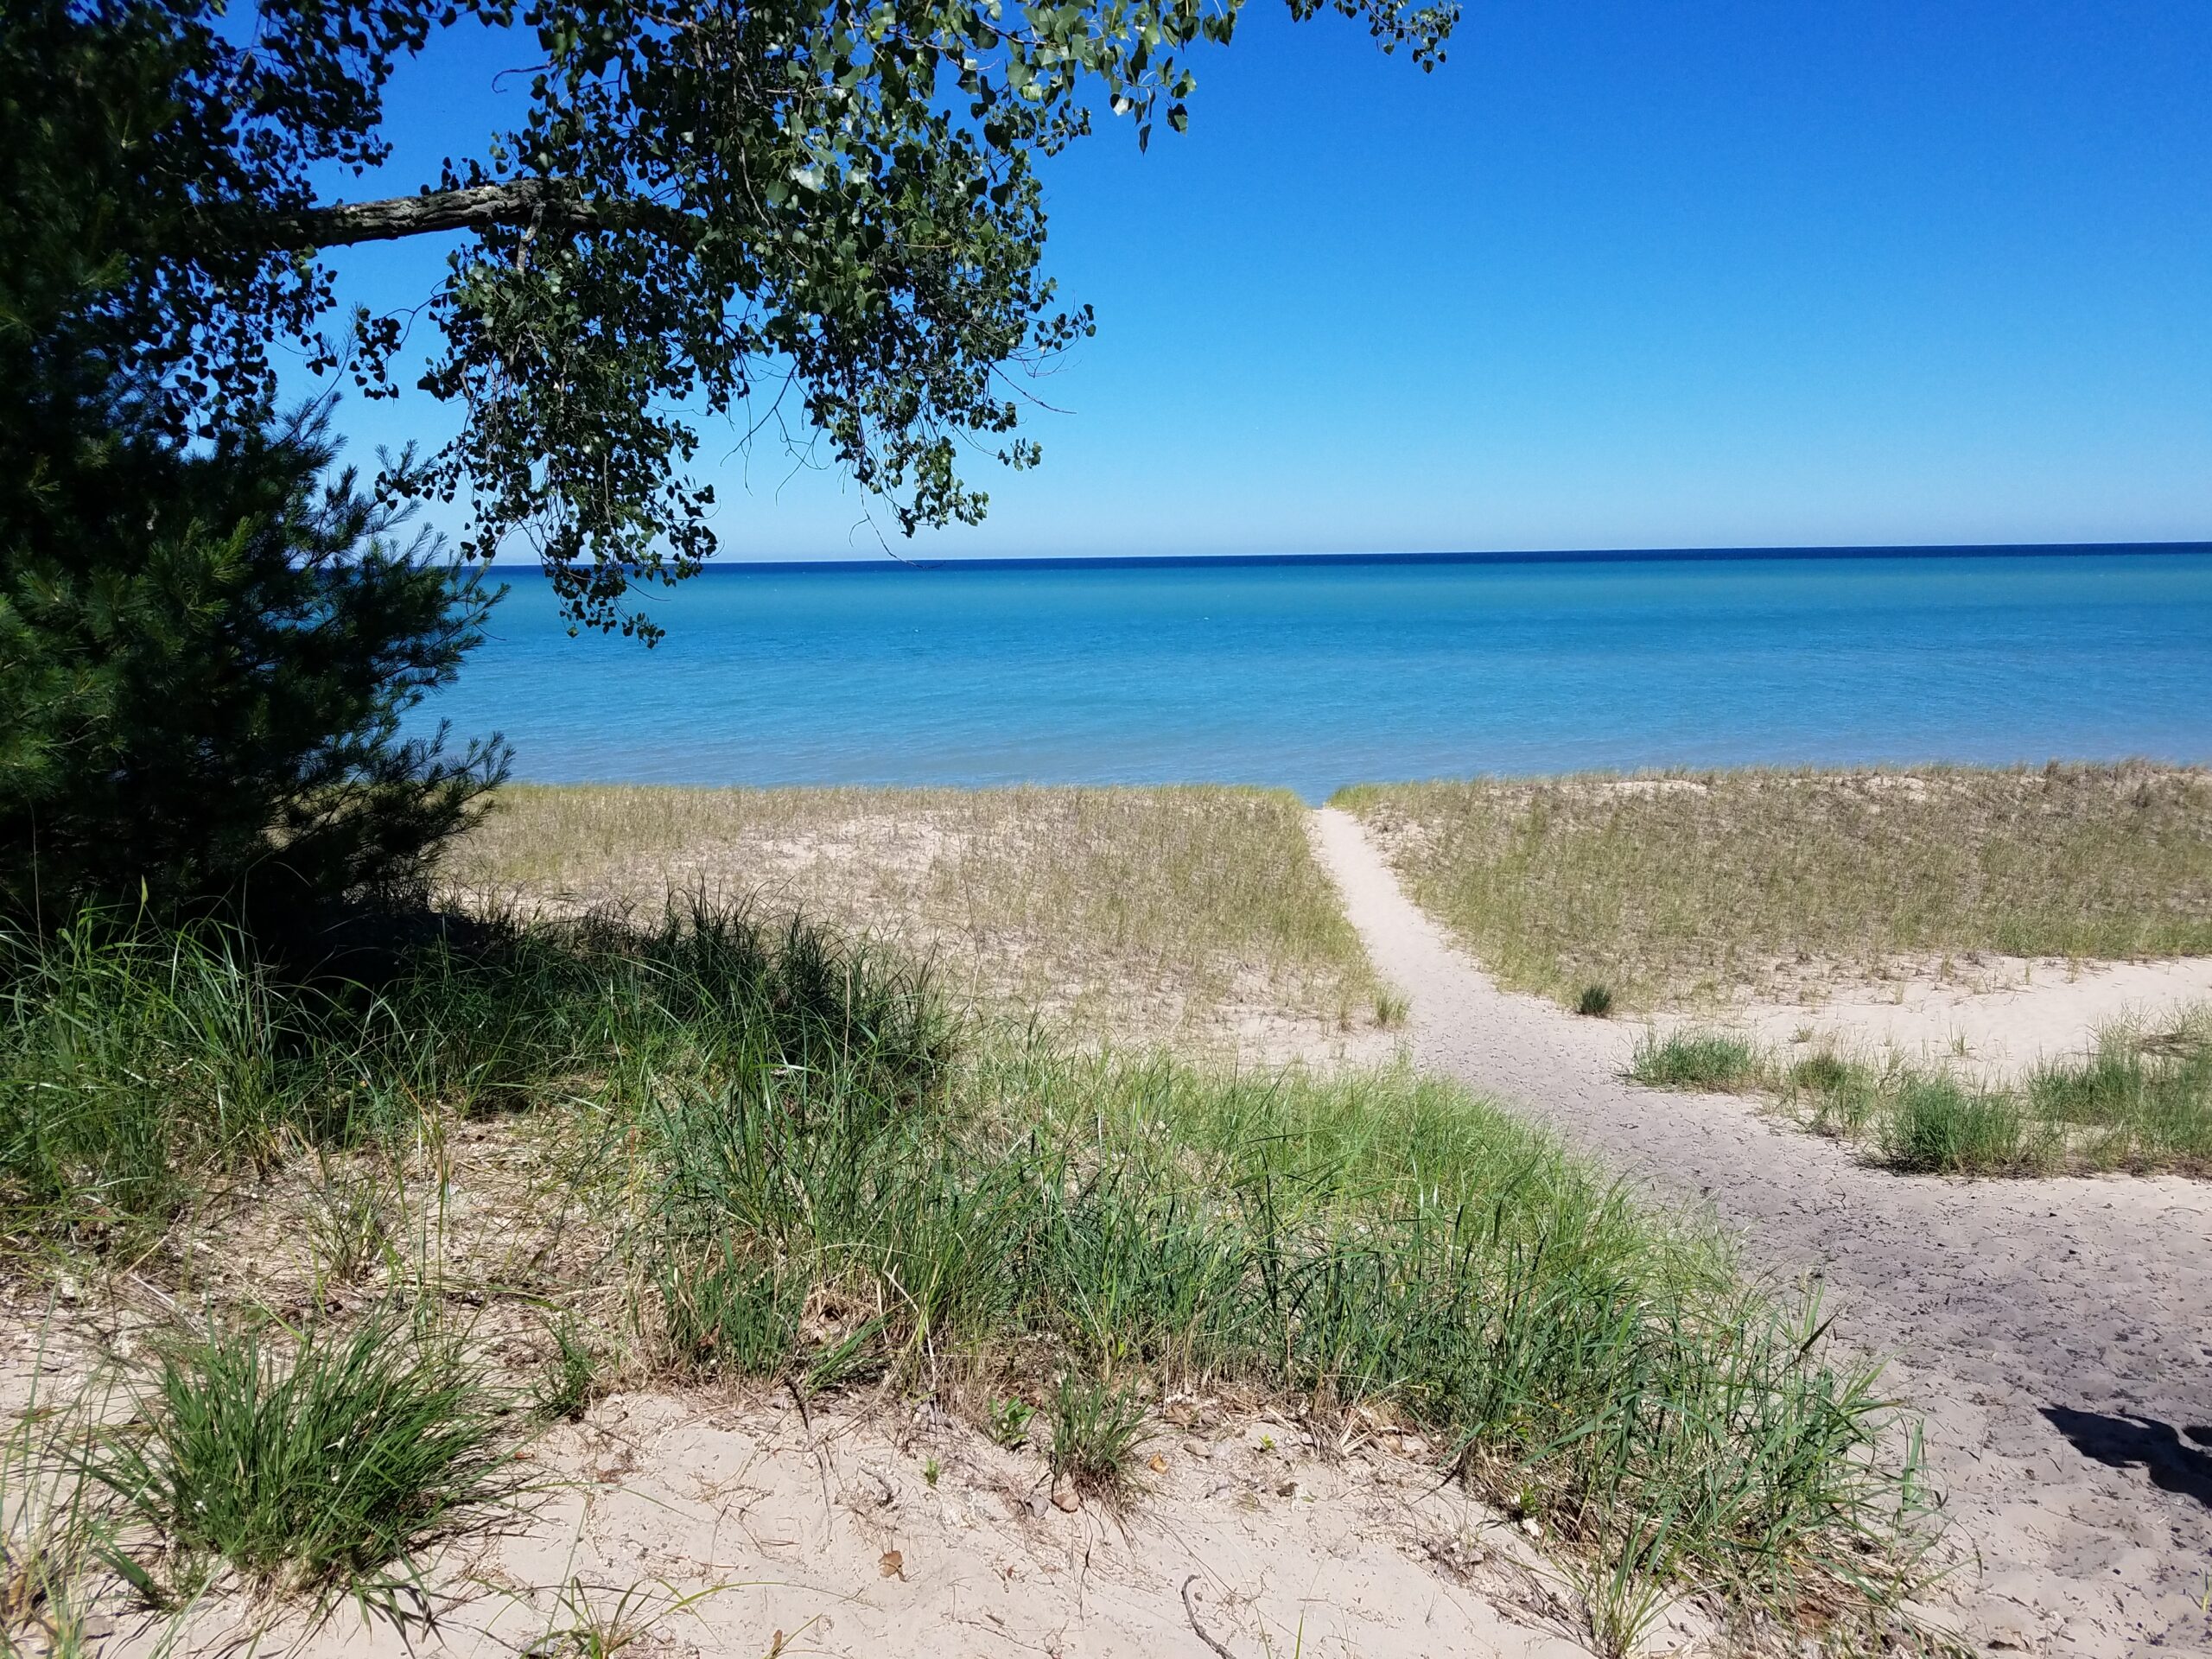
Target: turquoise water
[1317, 677]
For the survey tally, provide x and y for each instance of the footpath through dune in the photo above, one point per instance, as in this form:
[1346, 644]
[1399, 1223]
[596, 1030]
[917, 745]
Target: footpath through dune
[2056, 1333]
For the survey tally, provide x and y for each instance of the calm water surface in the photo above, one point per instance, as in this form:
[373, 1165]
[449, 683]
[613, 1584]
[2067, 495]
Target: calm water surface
[1323, 676]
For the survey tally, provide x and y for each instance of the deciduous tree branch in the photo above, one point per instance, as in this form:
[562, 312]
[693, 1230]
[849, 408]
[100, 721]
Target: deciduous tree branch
[552, 204]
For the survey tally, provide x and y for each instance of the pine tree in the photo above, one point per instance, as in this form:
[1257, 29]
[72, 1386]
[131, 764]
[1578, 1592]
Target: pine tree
[204, 658]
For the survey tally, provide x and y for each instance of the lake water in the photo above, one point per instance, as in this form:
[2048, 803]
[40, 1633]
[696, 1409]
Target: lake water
[1314, 676]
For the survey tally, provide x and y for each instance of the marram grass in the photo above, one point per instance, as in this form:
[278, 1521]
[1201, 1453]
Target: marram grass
[1692, 885]
[813, 1182]
[1126, 915]
[2140, 1101]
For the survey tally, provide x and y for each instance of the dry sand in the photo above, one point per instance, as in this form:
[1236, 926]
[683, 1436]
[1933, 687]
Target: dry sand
[2057, 1333]
[2016, 1013]
[830, 1534]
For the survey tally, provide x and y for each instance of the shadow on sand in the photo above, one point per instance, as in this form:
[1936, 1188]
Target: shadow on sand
[2175, 1465]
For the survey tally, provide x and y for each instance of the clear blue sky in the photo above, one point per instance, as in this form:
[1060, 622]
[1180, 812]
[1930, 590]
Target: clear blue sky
[1619, 274]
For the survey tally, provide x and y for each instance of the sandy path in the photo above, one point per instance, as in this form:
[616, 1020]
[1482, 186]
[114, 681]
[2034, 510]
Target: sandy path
[2057, 1333]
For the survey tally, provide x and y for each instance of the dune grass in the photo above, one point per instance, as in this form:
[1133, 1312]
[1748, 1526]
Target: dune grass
[1694, 1059]
[1679, 887]
[2141, 1101]
[801, 1178]
[311, 1459]
[1140, 914]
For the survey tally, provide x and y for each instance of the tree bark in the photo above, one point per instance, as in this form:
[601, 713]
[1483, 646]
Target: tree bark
[554, 204]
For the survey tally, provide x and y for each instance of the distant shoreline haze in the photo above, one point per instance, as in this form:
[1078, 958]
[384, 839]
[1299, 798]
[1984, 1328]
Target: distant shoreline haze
[1532, 556]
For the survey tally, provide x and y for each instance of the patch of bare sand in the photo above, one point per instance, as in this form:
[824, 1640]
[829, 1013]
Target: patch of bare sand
[853, 1531]
[2010, 1016]
[2056, 1334]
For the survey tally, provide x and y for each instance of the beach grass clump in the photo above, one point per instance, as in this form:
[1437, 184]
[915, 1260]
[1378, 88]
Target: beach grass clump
[137, 1067]
[1373, 1242]
[134, 1064]
[57, 1540]
[1125, 914]
[1097, 1431]
[1695, 886]
[1937, 1125]
[570, 1379]
[2141, 1100]
[1595, 1001]
[310, 1459]
[1844, 1093]
[1718, 1060]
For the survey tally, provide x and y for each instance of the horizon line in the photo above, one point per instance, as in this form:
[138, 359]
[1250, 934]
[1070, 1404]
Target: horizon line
[1561, 555]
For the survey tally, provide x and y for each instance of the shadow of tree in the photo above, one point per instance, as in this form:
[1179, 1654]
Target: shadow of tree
[2174, 1464]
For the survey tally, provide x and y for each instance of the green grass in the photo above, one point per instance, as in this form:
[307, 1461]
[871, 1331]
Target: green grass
[1128, 914]
[138, 1070]
[1694, 1059]
[56, 1540]
[1686, 886]
[2141, 1102]
[805, 1179]
[1097, 1431]
[1378, 1240]
[570, 1379]
[312, 1460]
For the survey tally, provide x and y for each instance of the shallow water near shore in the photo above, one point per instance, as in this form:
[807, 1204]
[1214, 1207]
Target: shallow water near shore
[1314, 676]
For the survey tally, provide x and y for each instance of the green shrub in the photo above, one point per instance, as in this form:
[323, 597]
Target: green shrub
[1596, 1001]
[1008, 1421]
[203, 659]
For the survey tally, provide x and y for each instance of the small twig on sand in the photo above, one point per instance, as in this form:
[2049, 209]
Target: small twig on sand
[1192, 1608]
[821, 1462]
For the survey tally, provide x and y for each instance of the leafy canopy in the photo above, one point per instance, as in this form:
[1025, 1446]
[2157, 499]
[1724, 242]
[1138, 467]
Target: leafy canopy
[834, 200]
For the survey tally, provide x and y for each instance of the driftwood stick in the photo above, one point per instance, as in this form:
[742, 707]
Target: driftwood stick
[1192, 1608]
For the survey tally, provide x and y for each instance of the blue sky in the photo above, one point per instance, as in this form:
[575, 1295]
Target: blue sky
[1617, 274]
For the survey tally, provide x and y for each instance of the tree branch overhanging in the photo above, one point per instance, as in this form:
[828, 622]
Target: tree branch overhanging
[551, 205]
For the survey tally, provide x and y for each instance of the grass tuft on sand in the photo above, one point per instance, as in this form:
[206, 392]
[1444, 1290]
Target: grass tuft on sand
[311, 1459]
[1694, 1059]
[1137, 914]
[1683, 885]
[793, 1175]
[2141, 1101]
